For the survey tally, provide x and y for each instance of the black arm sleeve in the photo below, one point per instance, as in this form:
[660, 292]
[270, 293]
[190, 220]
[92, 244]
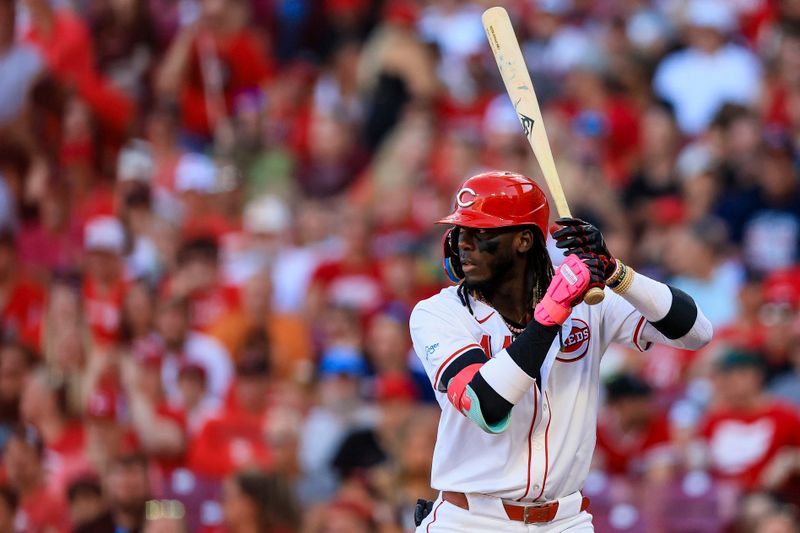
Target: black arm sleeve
[493, 406]
[681, 316]
[471, 357]
[530, 348]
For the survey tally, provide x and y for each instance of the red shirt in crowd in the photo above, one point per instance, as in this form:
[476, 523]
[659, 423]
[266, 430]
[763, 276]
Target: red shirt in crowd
[244, 64]
[66, 48]
[103, 310]
[353, 286]
[21, 316]
[227, 442]
[741, 445]
[44, 511]
[626, 454]
[208, 306]
[68, 52]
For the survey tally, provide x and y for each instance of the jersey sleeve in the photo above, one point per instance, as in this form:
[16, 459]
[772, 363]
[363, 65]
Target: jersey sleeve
[439, 338]
[623, 324]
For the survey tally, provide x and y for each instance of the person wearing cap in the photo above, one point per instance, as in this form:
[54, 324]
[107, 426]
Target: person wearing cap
[711, 70]
[135, 167]
[353, 280]
[339, 409]
[266, 225]
[40, 507]
[750, 439]
[104, 285]
[198, 179]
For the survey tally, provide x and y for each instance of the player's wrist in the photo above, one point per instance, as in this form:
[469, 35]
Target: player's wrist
[613, 274]
[621, 279]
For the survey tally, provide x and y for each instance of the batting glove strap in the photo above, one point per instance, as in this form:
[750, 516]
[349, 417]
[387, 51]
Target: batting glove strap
[565, 290]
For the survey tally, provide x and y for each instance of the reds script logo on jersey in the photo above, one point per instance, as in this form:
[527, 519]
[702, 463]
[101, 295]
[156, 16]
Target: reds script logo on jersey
[576, 345]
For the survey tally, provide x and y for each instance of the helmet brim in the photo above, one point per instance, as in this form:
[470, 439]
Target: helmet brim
[471, 219]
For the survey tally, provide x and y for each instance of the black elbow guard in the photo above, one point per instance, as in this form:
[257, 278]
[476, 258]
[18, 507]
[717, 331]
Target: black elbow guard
[681, 316]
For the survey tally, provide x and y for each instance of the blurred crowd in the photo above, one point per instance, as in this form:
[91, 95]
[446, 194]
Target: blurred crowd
[216, 216]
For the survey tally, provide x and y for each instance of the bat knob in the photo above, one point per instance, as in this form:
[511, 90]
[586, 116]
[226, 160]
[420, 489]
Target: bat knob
[594, 296]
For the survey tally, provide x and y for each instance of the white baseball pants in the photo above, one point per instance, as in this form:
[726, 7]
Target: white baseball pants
[489, 516]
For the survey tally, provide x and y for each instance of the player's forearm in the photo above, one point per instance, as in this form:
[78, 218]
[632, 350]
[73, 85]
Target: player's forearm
[514, 370]
[487, 391]
[672, 312]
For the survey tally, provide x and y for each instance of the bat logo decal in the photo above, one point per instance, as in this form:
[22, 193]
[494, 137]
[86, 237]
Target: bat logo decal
[527, 124]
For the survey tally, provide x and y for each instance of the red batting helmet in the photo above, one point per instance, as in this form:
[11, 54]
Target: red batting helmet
[499, 200]
[493, 200]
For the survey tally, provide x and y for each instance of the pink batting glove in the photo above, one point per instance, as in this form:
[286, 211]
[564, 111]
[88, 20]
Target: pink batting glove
[566, 289]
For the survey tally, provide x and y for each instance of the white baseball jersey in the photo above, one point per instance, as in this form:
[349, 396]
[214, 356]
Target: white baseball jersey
[546, 450]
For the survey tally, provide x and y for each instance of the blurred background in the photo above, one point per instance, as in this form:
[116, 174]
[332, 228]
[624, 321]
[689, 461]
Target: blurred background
[216, 216]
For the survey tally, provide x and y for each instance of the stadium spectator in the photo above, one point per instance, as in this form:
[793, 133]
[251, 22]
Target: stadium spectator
[86, 503]
[285, 334]
[15, 366]
[746, 433]
[40, 506]
[126, 489]
[22, 67]
[104, 287]
[8, 508]
[22, 299]
[633, 438]
[255, 501]
[182, 345]
[236, 437]
[690, 79]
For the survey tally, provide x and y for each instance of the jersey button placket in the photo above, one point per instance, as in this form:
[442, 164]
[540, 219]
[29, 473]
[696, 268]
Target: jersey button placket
[539, 462]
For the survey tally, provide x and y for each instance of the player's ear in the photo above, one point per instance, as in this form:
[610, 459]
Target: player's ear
[524, 241]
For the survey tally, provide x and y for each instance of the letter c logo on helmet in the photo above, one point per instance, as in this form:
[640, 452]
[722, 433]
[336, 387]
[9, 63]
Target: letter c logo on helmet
[494, 200]
[470, 199]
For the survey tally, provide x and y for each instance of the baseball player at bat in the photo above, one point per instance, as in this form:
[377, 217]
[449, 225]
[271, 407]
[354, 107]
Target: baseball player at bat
[513, 354]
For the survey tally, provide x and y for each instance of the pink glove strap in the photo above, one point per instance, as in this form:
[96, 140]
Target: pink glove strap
[552, 312]
[569, 283]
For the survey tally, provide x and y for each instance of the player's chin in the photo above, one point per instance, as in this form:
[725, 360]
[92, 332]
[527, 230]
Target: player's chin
[475, 276]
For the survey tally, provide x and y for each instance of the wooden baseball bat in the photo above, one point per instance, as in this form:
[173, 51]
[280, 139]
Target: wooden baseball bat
[519, 86]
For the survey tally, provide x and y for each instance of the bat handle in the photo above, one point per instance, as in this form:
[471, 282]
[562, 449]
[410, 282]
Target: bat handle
[594, 296]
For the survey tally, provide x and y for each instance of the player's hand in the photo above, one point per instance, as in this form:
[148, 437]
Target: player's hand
[579, 237]
[569, 284]
[596, 266]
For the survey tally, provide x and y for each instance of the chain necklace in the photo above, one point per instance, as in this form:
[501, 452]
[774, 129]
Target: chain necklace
[515, 331]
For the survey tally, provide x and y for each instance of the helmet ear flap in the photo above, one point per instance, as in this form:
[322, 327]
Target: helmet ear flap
[451, 262]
